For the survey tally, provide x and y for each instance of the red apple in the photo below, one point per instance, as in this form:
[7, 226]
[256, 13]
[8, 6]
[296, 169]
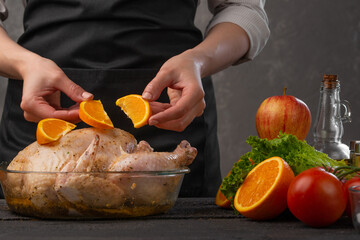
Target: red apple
[286, 114]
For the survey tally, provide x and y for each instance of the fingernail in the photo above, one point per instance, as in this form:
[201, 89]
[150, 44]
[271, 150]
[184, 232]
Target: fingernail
[86, 95]
[153, 122]
[147, 96]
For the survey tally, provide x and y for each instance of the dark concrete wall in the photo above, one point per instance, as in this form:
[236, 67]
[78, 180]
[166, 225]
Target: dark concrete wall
[307, 40]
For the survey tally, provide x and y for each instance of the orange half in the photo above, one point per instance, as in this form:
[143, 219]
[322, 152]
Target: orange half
[92, 113]
[262, 195]
[52, 129]
[136, 108]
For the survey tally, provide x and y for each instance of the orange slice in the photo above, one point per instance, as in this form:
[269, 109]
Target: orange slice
[136, 108]
[52, 129]
[92, 113]
[221, 200]
[262, 195]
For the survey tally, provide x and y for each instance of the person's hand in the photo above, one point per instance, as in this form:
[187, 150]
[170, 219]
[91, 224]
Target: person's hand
[43, 82]
[181, 76]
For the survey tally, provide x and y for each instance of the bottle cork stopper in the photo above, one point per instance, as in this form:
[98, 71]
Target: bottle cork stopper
[330, 81]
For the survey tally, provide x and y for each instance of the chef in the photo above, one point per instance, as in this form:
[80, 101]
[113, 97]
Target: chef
[74, 50]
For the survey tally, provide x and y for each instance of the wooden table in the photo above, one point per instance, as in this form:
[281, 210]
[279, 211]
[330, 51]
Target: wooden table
[191, 218]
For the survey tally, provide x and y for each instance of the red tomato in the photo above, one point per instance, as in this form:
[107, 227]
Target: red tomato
[352, 182]
[316, 197]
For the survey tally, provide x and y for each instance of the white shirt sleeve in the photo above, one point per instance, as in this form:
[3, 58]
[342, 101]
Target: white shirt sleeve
[3, 12]
[249, 15]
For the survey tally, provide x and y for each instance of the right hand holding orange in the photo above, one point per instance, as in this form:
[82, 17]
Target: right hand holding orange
[181, 76]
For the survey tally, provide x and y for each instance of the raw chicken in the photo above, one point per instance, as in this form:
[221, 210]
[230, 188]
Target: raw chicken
[86, 162]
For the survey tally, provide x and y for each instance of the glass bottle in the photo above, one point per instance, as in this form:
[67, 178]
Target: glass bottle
[328, 128]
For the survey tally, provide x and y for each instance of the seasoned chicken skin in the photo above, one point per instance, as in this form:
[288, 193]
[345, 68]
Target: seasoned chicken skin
[82, 156]
[54, 156]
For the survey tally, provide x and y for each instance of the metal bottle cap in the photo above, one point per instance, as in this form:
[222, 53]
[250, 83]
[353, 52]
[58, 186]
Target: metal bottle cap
[355, 146]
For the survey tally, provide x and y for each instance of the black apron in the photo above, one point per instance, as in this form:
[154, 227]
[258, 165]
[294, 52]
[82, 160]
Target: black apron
[113, 48]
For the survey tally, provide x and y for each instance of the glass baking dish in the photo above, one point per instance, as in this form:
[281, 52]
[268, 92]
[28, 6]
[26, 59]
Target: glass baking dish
[91, 195]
